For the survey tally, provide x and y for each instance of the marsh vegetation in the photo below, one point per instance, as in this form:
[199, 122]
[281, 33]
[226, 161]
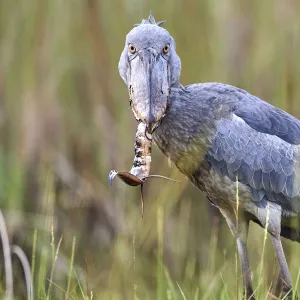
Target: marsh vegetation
[65, 122]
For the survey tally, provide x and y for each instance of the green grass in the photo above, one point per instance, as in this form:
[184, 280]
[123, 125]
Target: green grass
[65, 123]
[215, 287]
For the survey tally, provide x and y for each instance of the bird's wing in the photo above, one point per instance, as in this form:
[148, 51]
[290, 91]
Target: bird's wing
[266, 118]
[258, 114]
[268, 164]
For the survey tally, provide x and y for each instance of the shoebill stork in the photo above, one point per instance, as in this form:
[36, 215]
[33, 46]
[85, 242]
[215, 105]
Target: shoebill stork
[220, 137]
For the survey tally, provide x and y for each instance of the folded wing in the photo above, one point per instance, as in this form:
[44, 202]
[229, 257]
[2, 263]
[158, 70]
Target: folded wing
[260, 146]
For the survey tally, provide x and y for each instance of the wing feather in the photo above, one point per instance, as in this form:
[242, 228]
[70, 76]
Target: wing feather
[267, 163]
[258, 114]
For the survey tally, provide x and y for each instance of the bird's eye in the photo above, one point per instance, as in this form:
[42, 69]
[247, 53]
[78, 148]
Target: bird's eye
[131, 48]
[166, 49]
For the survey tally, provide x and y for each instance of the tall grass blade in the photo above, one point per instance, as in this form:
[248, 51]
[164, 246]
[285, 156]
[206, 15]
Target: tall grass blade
[260, 279]
[53, 267]
[68, 296]
[159, 277]
[181, 291]
[170, 284]
[42, 271]
[237, 230]
[79, 284]
[26, 267]
[71, 264]
[33, 254]
[296, 285]
[7, 258]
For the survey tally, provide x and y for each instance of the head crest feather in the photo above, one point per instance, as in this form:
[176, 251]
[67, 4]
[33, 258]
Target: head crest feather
[151, 21]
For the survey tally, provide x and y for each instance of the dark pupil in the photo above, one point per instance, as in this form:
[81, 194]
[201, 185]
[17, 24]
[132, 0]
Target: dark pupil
[166, 48]
[132, 48]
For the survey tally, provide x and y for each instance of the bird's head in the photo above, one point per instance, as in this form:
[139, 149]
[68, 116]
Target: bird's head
[149, 65]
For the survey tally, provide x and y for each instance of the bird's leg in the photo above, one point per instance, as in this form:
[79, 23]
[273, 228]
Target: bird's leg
[239, 228]
[245, 269]
[284, 269]
[270, 218]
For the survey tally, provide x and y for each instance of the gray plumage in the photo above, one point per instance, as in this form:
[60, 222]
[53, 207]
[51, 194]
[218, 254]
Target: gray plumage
[218, 135]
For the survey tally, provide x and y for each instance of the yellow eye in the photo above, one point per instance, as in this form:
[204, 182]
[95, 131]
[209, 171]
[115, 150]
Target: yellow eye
[131, 48]
[166, 48]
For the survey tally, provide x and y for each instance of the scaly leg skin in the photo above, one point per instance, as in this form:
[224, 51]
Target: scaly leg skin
[245, 269]
[284, 269]
[240, 231]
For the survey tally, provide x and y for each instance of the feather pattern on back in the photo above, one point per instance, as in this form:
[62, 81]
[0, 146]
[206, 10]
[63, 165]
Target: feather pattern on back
[259, 145]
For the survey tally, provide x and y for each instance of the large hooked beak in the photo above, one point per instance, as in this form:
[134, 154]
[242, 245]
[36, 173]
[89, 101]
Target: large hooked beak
[149, 87]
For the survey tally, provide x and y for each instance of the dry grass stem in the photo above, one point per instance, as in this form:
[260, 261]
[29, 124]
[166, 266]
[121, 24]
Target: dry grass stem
[26, 267]
[7, 258]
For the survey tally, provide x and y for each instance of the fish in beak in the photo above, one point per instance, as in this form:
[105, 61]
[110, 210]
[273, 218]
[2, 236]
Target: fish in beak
[149, 66]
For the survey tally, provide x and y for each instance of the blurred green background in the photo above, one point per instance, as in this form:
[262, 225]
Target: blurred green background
[65, 122]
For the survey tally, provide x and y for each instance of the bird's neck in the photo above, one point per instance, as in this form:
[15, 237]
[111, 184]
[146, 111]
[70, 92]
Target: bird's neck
[184, 129]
